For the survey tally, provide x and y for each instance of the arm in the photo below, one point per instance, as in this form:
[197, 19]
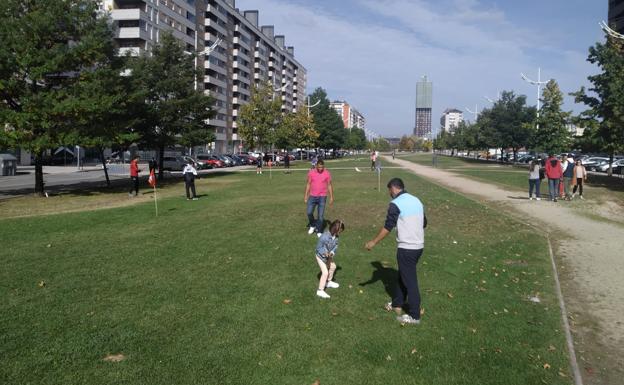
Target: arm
[330, 189]
[306, 195]
[391, 221]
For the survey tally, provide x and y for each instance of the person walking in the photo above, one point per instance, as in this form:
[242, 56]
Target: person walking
[405, 212]
[568, 176]
[315, 196]
[259, 164]
[190, 172]
[534, 180]
[287, 163]
[580, 177]
[554, 175]
[134, 176]
[373, 158]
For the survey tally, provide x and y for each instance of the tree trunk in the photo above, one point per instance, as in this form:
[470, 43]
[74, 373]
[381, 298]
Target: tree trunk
[39, 185]
[515, 152]
[610, 169]
[161, 156]
[105, 168]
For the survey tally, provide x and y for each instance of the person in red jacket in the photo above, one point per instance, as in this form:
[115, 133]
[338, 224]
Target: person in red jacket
[134, 176]
[554, 173]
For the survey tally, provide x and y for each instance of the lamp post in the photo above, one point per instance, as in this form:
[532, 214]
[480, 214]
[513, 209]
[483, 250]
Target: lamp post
[309, 106]
[605, 27]
[539, 83]
[475, 112]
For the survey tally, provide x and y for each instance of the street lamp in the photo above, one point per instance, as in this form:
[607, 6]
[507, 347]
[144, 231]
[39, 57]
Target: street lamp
[475, 112]
[539, 83]
[312, 105]
[605, 27]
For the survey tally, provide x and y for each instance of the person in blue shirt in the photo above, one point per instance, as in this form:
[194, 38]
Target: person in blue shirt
[407, 214]
[326, 248]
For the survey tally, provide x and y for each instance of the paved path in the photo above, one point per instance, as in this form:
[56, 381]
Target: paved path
[590, 252]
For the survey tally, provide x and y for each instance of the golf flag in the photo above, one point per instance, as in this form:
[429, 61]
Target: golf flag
[152, 179]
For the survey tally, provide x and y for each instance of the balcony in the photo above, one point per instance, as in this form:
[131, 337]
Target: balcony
[131, 33]
[239, 53]
[215, 81]
[216, 26]
[127, 14]
[239, 41]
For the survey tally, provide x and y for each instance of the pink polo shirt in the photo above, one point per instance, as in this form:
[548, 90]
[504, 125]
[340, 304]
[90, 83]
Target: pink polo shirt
[318, 182]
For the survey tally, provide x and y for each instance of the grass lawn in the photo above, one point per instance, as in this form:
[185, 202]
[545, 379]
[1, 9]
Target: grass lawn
[222, 291]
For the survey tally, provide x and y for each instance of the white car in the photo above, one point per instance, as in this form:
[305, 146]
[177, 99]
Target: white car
[605, 167]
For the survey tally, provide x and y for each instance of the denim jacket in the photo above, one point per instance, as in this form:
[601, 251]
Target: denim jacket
[326, 244]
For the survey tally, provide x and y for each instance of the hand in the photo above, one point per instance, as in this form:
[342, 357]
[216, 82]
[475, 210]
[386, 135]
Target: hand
[331, 201]
[369, 245]
[305, 199]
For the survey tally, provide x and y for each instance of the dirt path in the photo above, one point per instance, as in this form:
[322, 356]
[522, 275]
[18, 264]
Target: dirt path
[590, 255]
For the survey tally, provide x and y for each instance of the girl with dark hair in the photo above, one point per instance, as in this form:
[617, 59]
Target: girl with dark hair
[326, 248]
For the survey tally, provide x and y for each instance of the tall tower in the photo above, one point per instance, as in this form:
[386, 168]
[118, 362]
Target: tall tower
[616, 15]
[424, 102]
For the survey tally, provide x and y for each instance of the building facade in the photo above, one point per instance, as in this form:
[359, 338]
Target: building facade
[424, 104]
[350, 116]
[246, 54]
[616, 15]
[451, 117]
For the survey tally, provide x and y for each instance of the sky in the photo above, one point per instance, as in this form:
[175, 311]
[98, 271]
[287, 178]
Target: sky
[371, 53]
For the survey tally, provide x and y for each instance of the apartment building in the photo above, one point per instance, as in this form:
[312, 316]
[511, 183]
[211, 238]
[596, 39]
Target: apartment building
[246, 53]
[424, 103]
[350, 116]
[451, 117]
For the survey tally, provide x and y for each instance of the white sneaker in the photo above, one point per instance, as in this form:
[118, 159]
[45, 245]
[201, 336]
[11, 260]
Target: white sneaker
[311, 230]
[538, 199]
[322, 294]
[407, 319]
[530, 198]
[580, 196]
[332, 285]
[318, 234]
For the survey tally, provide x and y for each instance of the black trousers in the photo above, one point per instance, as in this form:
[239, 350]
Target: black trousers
[135, 185]
[189, 183]
[579, 185]
[407, 285]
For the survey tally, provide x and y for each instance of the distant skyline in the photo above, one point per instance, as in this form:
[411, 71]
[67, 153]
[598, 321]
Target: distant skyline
[371, 53]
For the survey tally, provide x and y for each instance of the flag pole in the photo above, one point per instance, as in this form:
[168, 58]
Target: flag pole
[155, 200]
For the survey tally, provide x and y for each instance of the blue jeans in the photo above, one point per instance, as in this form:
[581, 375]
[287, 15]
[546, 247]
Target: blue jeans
[553, 188]
[534, 184]
[320, 203]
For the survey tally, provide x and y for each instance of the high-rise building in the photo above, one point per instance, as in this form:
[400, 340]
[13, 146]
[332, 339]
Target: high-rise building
[424, 103]
[451, 117]
[247, 53]
[350, 116]
[616, 15]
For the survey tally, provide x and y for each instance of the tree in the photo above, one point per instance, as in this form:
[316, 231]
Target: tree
[172, 108]
[260, 118]
[332, 134]
[356, 139]
[46, 45]
[512, 119]
[552, 136]
[296, 130]
[605, 115]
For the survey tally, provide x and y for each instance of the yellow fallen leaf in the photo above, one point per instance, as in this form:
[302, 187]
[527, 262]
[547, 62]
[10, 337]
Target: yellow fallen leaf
[41, 284]
[388, 358]
[114, 358]
[450, 295]
[287, 301]
[413, 351]
[422, 311]
[546, 366]
[317, 382]
[551, 348]
[361, 291]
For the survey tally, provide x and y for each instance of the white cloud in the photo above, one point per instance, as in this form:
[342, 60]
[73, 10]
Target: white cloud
[374, 61]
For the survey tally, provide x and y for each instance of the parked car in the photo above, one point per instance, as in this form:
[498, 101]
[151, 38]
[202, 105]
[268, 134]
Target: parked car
[593, 159]
[596, 165]
[605, 167]
[238, 161]
[249, 160]
[227, 161]
[173, 163]
[212, 160]
[199, 164]
[526, 158]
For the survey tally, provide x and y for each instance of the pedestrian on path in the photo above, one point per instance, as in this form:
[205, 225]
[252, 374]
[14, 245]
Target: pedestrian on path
[373, 158]
[580, 177]
[534, 180]
[568, 176]
[554, 175]
[407, 214]
[134, 176]
[315, 196]
[326, 248]
[190, 173]
[259, 164]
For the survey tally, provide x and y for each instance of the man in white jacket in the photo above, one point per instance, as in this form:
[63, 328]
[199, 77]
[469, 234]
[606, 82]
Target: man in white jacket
[190, 173]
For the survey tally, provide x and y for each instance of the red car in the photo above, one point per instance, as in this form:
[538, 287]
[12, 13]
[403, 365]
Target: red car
[211, 160]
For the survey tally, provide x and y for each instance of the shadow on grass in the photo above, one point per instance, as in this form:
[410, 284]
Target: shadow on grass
[387, 276]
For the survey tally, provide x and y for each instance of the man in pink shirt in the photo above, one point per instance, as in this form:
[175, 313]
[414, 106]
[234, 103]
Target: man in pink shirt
[319, 183]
